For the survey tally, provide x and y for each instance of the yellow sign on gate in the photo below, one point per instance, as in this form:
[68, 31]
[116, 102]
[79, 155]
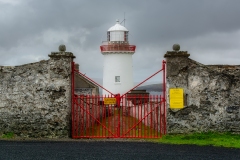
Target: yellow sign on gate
[176, 98]
[110, 101]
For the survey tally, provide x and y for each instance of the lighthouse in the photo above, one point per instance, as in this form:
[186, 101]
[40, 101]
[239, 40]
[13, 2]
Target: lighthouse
[117, 67]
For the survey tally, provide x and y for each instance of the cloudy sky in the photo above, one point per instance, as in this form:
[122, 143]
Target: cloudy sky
[208, 29]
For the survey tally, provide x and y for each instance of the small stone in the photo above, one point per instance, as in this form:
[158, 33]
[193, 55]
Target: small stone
[62, 48]
[176, 47]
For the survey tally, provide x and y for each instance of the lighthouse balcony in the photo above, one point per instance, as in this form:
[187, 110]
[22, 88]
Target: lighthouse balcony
[117, 48]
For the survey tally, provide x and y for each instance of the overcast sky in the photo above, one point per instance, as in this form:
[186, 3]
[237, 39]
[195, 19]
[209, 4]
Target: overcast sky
[208, 29]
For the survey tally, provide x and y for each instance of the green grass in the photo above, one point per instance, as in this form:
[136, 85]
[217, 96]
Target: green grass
[209, 138]
[8, 135]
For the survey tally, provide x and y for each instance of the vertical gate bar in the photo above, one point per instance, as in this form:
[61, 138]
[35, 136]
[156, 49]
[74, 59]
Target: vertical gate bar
[129, 107]
[161, 116]
[85, 112]
[87, 109]
[73, 118]
[126, 114]
[122, 112]
[100, 116]
[121, 117]
[157, 115]
[124, 124]
[103, 120]
[145, 112]
[136, 119]
[98, 113]
[76, 116]
[84, 117]
[143, 101]
[139, 110]
[107, 120]
[134, 114]
[89, 117]
[144, 121]
[151, 108]
[72, 97]
[164, 93]
[111, 118]
[92, 108]
[92, 112]
[118, 101]
[151, 118]
[147, 118]
[114, 118]
[81, 117]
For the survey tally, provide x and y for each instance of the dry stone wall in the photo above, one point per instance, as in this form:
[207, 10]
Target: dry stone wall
[35, 99]
[211, 95]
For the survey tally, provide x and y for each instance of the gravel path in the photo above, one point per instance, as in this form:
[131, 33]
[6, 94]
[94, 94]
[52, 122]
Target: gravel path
[91, 149]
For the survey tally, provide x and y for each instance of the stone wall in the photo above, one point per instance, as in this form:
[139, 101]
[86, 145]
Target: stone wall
[35, 99]
[211, 95]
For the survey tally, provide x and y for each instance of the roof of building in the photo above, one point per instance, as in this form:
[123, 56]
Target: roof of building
[117, 27]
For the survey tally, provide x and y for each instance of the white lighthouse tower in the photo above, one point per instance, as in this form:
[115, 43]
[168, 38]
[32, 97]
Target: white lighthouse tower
[117, 68]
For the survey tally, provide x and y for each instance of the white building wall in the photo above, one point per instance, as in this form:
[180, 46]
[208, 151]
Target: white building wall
[117, 65]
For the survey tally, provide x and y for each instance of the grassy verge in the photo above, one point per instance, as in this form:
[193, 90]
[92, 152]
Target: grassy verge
[209, 138]
[8, 135]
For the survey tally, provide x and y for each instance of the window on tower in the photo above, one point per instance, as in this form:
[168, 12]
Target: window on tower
[125, 36]
[117, 78]
[108, 36]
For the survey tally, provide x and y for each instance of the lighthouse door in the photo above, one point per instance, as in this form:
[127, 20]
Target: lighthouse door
[118, 116]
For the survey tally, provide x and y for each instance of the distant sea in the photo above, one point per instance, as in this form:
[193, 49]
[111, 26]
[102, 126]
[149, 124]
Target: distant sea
[151, 92]
[155, 93]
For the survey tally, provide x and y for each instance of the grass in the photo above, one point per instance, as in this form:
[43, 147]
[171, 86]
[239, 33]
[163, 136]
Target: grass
[8, 135]
[209, 138]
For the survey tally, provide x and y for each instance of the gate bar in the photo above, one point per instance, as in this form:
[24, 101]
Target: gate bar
[90, 79]
[164, 97]
[163, 69]
[72, 96]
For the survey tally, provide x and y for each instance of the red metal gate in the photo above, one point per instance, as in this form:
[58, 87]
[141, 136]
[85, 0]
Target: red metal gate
[132, 116]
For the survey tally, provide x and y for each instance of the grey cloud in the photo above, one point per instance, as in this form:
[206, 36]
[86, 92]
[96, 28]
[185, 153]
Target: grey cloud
[35, 28]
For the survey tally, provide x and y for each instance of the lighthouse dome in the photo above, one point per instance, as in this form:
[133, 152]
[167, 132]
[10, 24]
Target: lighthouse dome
[117, 27]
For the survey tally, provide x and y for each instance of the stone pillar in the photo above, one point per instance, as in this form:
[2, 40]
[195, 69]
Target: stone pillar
[176, 77]
[177, 71]
[60, 89]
